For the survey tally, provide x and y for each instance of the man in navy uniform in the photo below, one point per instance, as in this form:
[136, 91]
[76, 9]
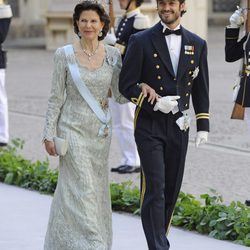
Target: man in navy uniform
[5, 18]
[132, 22]
[163, 67]
[235, 50]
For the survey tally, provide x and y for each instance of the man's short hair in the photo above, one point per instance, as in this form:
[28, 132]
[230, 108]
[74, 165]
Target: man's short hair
[139, 3]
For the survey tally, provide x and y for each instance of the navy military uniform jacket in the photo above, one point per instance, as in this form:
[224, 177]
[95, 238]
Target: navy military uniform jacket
[128, 25]
[4, 28]
[148, 61]
[236, 50]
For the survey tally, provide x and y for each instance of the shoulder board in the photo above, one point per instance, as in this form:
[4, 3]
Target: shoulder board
[141, 22]
[5, 11]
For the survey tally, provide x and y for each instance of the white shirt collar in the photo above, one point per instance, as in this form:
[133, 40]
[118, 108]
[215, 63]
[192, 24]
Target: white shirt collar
[164, 27]
[133, 13]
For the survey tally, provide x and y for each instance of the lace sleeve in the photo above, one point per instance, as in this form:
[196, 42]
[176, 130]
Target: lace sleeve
[115, 80]
[56, 98]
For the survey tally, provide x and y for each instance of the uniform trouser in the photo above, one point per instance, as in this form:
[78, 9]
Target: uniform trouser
[162, 154]
[4, 123]
[123, 127]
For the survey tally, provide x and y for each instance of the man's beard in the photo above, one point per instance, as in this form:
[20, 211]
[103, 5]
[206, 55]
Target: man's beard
[168, 21]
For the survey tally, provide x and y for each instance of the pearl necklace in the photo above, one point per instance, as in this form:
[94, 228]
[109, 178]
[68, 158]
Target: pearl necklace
[90, 54]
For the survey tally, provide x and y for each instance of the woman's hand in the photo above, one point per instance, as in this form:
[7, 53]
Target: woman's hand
[150, 92]
[50, 147]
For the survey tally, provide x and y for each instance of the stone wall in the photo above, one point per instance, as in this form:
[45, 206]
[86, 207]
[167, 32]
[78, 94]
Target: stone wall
[59, 19]
[53, 18]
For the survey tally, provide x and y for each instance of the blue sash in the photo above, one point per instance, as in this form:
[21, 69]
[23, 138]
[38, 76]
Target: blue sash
[104, 131]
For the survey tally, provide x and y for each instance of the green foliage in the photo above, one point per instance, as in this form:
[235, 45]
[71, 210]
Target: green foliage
[213, 217]
[124, 197]
[208, 215]
[16, 170]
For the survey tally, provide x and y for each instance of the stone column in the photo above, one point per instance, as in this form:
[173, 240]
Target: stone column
[59, 25]
[196, 19]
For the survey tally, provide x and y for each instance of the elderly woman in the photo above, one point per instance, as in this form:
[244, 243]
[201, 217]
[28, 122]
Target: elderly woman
[80, 216]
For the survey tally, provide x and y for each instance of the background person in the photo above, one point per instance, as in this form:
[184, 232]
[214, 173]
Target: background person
[5, 19]
[235, 50]
[170, 66]
[132, 22]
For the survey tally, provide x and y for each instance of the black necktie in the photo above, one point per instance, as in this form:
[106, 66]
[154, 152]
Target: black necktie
[170, 32]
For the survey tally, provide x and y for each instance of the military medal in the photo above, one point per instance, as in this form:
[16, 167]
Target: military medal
[189, 50]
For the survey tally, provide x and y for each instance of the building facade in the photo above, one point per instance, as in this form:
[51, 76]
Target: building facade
[53, 18]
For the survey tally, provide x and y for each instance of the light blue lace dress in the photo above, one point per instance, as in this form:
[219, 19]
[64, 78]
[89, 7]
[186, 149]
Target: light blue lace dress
[80, 215]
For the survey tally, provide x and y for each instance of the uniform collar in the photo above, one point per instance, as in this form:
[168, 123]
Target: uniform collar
[164, 27]
[133, 13]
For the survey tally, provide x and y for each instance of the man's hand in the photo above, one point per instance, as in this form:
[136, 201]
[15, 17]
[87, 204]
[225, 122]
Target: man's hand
[201, 138]
[237, 19]
[166, 104]
[150, 92]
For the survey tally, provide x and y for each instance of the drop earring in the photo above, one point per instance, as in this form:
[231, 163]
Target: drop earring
[100, 33]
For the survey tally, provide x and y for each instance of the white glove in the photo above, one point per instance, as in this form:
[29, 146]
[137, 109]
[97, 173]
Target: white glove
[110, 38]
[201, 138]
[166, 104]
[237, 19]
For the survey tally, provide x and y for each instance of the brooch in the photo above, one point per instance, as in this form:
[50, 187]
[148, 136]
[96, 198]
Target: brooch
[110, 60]
[104, 103]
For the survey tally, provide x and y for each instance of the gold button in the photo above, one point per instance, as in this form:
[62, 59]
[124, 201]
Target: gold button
[187, 94]
[159, 77]
[174, 79]
[155, 55]
[190, 72]
[157, 66]
[186, 105]
[189, 83]
[161, 88]
[192, 61]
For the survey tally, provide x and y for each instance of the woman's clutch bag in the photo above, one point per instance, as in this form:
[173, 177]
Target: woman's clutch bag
[61, 145]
